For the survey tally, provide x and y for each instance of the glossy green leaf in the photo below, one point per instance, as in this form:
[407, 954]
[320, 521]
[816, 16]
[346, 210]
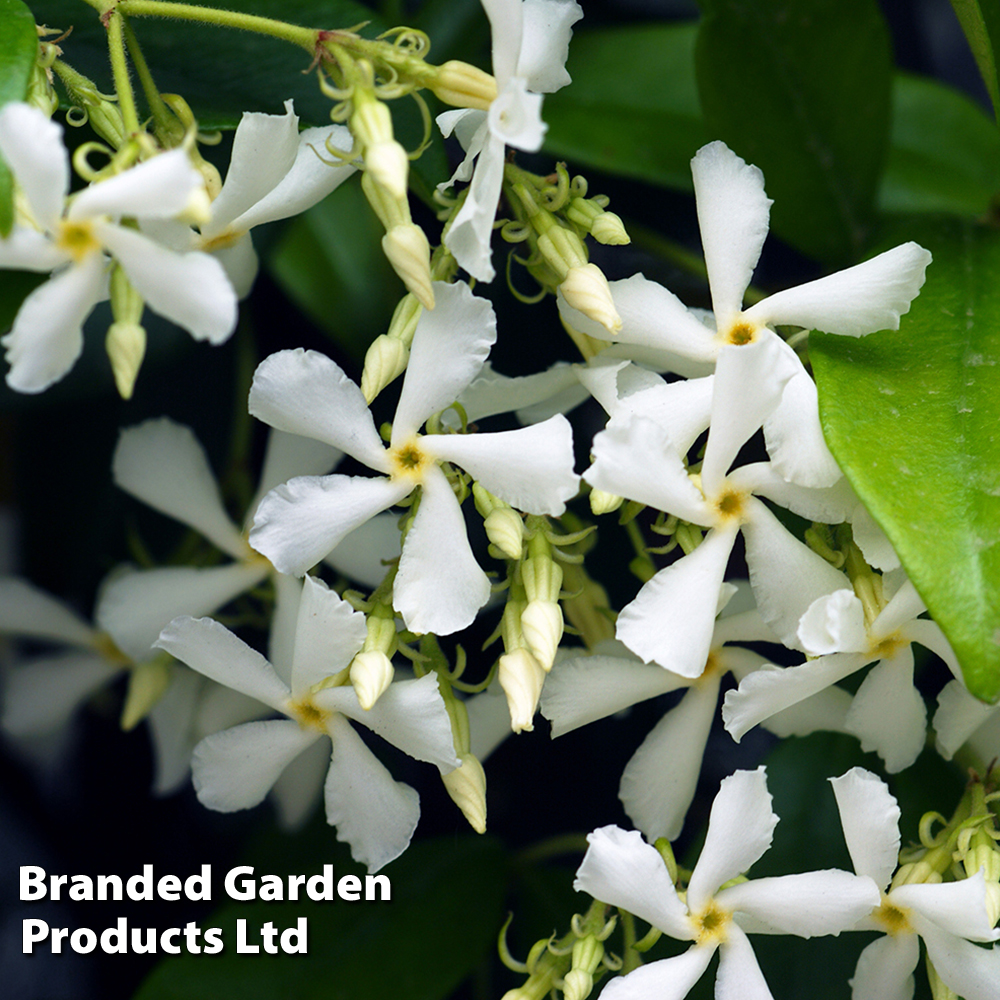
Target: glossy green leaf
[981, 23]
[913, 417]
[446, 908]
[18, 51]
[801, 88]
[633, 106]
[944, 152]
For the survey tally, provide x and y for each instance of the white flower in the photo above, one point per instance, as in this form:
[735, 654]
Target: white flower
[733, 215]
[190, 289]
[235, 769]
[530, 45]
[439, 586]
[961, 718]
[621, 869]
[947, 915]
[887, 713]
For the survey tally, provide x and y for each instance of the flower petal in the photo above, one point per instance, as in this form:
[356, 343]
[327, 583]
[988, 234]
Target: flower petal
[739, 976]
[885, 969]
[667, 979]
[27, 611]
[548, 27]
[506, 19]
[971, 972]
[304, 392]
[870, 817]
[32, 145]
[958, 716]
[236, 768]
[740, 828]
[828, 504]
[439, 586]
[373, 813]
[363, 554]
[450, 344]
[859, 300]
[621, 869]
[26, 249]
[300, 785]
[733, 216]
[515, 117]
[834, 623]
[959, 908]
[163, 464]
[290, 455]
[171, 725]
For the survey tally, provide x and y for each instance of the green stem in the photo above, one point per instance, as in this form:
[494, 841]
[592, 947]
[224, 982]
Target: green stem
[162, 115]
[119, 69]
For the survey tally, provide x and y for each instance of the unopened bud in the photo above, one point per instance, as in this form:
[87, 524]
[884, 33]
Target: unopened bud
[146, 684]
[467, 787]
[542, 577]
[371, 674]
[505, 529]
[604, 503]
[609, 229]
[126, 347]
[585, 288]
[561, 249]
[385, 360]
[542, 627]
[408, 251]
[463, 86]
[389, 165]
[521, 679]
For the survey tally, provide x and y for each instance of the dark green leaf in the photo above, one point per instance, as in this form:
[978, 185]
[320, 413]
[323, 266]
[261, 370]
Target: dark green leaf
[446, 908]
[801, 88]
[633, 106]
[944, 153]
[981, 24]
[18, 52]
[914, 419]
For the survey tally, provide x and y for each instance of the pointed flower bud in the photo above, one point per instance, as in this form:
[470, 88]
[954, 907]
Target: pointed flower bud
[389, 165]
[505, 529]
[467, 787]
[385, 360]
[146, 685]
[407, 249]
[586, 288]
[561, 249]
[385, 159]
[521, 679]
[542, 626]
[126, 347]
[463, 86]
[371, 674]
[604, 503]
[609, 229]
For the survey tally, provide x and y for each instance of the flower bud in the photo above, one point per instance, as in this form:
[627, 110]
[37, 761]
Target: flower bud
[604, 503]
[521, 679]
[585, 288]
[505, 529]
[542, 577]
[467, 787]
[385, 359]
[542, 626]
[609, 229]
[463, 86]
[146, 685]
[407, 249]
[389, 165]
[561, 249]
[371, 674]
[126, 347]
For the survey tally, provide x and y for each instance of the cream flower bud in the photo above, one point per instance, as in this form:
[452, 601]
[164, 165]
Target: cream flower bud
[371, 674]
[609, 229]
[467, 787]
[385, 359]
[505, 529]
[408, 251]
[521, 679]
[126, 347]
[577, 985]
[542, 577]
[604, 503]
[562, 250]
[585, 288]
[542, 626]
[463, 86]
[146, 685]
[389, 165]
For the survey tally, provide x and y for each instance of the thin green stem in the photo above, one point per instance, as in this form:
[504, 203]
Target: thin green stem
[162, 115]
[119, 69]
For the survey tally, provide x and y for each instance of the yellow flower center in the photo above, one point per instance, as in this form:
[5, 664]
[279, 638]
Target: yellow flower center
[740, 333]
[712, 924]
[224, 239]
[308, 715]
[408, 461]
[888, 647]
[77, 239]
[895, 919]
[729, 503]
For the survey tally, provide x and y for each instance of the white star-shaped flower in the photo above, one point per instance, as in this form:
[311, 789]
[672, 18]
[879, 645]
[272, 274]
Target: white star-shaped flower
[74, 242]
[235, 769]
[947, 915]
[623, 870]
[530, 45]
[439, 586]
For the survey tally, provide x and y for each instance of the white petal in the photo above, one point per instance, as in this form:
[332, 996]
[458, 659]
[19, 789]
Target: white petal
[304, 392]
[583, 689]
[971, 972]
[826, 711]
[239, 261]
[439, 587]
[27, 611]
[515, 117]
[40, 696]
[772, 689]
[409, 714]
[212, 650]
[659, 782]
[548, 27]
[159, 188]
[468, 236]
[506, 27]
[297, 524]
[534, 397]
[834, 623]
[531, 468]
[733, 217]
[290, 455]
[905, 605]
[870, 817]
[956, 907]
[667, 979]
[133, 608]
[372, 813]
[27, 249]
[47, 336]
[328, 634]
[958, 716]
[264, 149]
[171, 727]
[284, 622]
[164, 465]
[672, 617]
[489, 721]
[621, 869]
[828, 504]
[635, 458]
[885, 969]
[32, 145]
[740, 829]
[859, 300]
[189, 289]
[739, 976]
[300, 785]
[310, 179]
[362, 554]
[872, 540]
[235, 769]
[683, 409]
[450, 344]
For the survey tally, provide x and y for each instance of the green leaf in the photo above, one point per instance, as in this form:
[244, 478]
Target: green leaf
[913, 417]
[801, 88]
[633, 106]
[981, 24]
[446, 908]
[18, 52]
[944, 153]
